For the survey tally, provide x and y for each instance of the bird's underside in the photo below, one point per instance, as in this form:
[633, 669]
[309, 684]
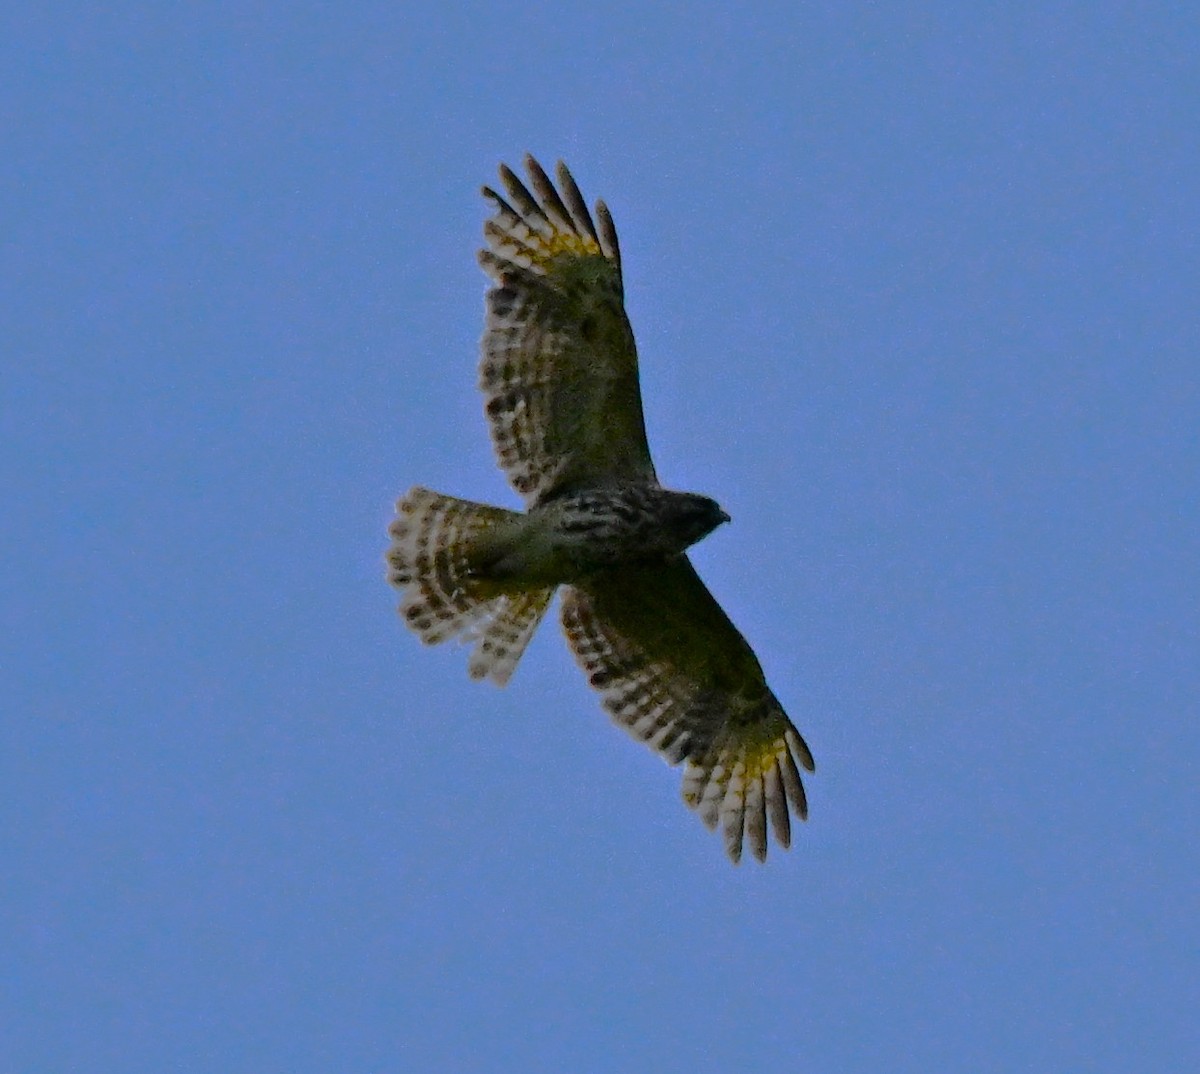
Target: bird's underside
[560, 380]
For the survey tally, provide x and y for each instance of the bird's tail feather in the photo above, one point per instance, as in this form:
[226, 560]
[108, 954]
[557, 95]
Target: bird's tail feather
[438, 559]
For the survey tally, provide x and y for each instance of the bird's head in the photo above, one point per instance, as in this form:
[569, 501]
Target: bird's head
[693, 517]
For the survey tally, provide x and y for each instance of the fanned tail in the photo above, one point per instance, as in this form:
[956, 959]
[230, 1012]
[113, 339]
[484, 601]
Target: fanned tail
[438, 559]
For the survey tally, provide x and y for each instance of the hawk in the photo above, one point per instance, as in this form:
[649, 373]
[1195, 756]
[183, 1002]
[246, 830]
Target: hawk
[560, 376]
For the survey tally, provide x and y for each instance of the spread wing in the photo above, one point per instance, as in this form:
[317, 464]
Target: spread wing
[675, 672]
[559, 367]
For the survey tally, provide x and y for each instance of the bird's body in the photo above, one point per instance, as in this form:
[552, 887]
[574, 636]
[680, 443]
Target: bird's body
[559, 373]
[581, 533]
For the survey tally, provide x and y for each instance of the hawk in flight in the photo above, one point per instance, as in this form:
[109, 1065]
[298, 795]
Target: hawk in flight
[559, 373]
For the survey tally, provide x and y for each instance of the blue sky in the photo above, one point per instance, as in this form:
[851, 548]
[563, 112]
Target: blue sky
[915, 292]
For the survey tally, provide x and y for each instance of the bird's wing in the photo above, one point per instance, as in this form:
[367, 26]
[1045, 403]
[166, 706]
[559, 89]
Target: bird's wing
[559, 365]
[675, 673]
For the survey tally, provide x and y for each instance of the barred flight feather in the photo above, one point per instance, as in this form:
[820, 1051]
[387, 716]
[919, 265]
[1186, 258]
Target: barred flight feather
[434, 541]
[741, 756]
[559, 367]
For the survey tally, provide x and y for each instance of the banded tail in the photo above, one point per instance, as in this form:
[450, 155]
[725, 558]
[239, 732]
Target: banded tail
[441, 547]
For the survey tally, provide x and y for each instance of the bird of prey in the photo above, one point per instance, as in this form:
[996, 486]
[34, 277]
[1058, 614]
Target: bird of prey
[559, 374]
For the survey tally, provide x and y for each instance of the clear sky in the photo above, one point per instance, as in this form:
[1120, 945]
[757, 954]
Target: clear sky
[916, 292]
